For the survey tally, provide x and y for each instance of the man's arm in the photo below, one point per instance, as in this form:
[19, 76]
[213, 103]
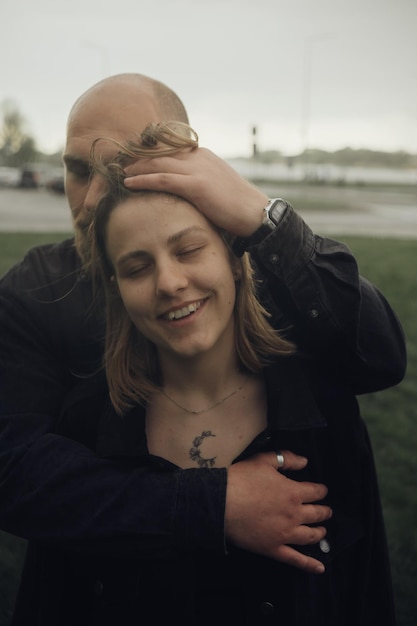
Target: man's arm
[53, 489]
[334, 313]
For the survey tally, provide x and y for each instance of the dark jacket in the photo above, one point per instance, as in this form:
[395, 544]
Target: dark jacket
[54, 487]
[155, 579]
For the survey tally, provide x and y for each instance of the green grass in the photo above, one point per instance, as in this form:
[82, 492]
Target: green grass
[391, 417]
[13, 246]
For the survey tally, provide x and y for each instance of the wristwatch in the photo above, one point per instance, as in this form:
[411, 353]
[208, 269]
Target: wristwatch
[273, 213]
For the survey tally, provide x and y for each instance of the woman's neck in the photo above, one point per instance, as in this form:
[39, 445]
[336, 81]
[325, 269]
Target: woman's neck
[209, 374]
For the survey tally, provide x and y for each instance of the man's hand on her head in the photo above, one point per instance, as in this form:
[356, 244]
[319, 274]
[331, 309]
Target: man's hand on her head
[207, 182]
[266, 512]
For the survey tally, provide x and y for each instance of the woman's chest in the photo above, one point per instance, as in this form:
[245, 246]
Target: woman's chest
[211, 439]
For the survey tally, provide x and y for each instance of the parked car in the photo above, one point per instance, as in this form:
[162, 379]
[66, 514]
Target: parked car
[9, 176]
[29, 178]
[56, 183]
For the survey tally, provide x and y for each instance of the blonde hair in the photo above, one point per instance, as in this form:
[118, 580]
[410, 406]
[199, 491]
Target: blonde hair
[130, 359]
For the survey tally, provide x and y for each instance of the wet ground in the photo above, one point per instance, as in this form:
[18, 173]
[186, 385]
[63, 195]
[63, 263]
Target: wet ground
[359, 211]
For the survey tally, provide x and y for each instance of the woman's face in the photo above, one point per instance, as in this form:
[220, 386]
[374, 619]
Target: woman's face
[174, 275]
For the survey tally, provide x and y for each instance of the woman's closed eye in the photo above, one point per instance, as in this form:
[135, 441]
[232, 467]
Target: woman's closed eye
[190, 251]
[136, 270]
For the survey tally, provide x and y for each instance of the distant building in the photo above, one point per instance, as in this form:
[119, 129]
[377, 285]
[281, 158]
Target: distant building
[321, 173]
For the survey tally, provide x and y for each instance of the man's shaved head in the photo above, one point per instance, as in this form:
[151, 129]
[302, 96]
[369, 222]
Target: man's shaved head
[116, 108]
[167, 101]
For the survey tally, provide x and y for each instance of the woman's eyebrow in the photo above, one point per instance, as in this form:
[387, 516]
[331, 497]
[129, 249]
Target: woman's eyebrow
[132, 255]
[186, 231]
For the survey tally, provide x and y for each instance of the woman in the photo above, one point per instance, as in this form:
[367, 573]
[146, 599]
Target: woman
[186, 335]
[198, 378]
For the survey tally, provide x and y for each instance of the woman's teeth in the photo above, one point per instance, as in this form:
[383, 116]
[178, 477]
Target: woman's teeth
[186, 310]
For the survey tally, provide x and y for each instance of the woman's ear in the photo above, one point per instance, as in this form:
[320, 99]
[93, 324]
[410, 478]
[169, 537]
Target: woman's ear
[237, 269]
[114, 287]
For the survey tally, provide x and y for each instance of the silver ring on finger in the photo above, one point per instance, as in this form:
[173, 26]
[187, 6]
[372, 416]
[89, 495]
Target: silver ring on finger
[280, 459]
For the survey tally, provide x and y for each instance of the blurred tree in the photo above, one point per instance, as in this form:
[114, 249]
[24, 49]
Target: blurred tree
[16, 146]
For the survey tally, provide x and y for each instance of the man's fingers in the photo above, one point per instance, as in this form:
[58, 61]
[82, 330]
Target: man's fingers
[171, 165]
[156, 182]
[286, 460]
[316, 513]
[269, 513]
[307, 535]
[290, 556]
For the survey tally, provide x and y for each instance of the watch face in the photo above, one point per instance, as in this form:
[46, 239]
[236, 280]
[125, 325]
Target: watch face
[277, 209]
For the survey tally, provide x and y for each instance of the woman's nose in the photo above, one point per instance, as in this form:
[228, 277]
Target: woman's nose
[171, 278]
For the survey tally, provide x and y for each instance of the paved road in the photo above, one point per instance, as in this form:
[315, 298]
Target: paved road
[368, 213]
[29, 210]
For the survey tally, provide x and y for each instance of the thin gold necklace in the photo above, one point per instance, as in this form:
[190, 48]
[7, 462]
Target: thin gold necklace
[208, 408]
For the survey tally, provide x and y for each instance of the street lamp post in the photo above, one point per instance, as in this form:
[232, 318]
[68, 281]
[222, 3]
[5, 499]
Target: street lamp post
[307, 91]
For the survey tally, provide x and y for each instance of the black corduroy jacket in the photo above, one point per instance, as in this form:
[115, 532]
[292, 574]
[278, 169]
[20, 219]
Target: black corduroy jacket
[155, 577]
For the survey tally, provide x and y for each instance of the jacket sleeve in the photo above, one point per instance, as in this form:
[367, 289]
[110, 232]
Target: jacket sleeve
[55, 488]
[328, 308]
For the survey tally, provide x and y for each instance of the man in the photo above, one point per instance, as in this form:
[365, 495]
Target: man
[54, 488]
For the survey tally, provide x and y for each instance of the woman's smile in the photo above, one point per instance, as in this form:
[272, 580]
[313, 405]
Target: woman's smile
[184, 311]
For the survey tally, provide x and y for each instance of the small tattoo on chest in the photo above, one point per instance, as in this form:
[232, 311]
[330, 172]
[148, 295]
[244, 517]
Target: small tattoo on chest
[195, 452]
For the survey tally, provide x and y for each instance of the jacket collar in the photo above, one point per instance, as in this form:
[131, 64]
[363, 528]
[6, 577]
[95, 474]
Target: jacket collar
[291, 406]
[291, 395]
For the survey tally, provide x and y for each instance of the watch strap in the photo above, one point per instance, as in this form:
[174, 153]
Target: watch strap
[273, 213]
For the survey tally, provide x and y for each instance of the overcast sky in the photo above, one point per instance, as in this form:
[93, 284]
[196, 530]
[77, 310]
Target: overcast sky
[318, 73]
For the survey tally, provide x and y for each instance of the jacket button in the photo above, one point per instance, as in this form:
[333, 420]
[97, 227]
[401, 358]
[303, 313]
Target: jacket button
[313, 313]
[274, 259]
[267, 608]
[324, 546]
[98, 588]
